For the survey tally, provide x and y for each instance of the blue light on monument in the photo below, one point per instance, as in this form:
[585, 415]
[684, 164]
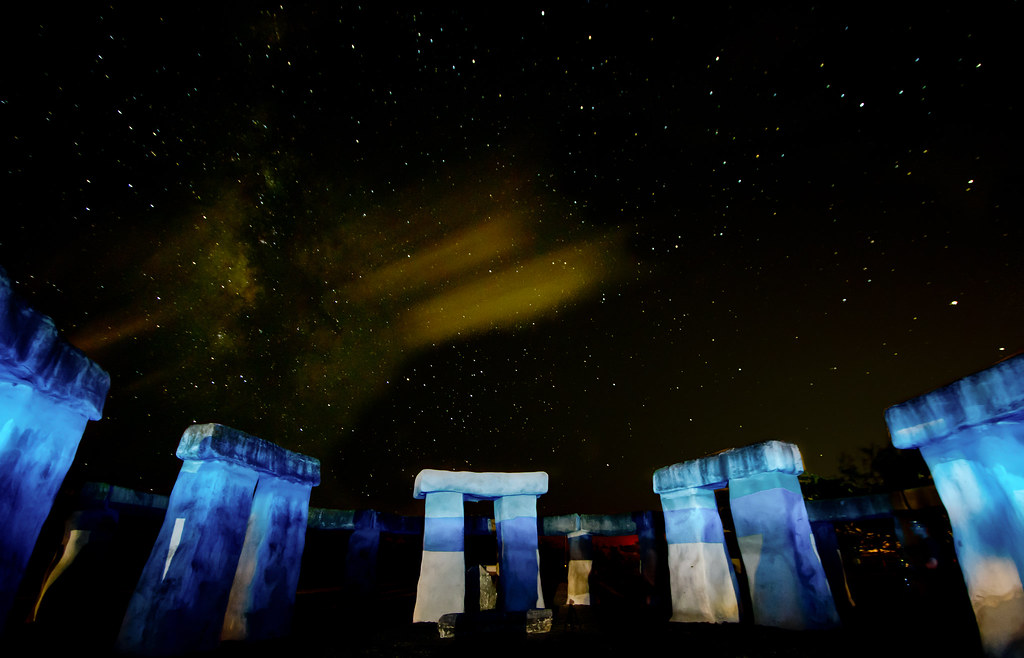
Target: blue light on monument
[516, 523]
[442, 583]
[48, 392]
[971, 435]
[226, 561]
[788, 588]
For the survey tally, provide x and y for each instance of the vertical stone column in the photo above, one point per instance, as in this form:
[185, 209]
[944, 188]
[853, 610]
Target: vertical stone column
[700, 573]
[581, 562]
[217, 506]
[516, 523]
[361, 558]
[787, 582]
[442, 585]
[971, 436]
[648, 524]
[48, 392]
[263, 592]
[788, 588]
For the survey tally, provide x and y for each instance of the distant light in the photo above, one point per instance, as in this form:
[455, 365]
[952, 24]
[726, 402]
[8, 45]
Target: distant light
[953, 303]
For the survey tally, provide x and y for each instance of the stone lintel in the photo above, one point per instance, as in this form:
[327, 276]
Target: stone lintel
[717, 469]
[32, 352]
[562, 524]
[850, 508]
[994, 394]
[609, 525]
[219, 442]
[480, 486]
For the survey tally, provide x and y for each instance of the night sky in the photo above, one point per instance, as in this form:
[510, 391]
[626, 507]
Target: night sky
[588, 238]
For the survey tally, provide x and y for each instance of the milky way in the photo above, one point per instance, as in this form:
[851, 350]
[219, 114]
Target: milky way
[591, 240]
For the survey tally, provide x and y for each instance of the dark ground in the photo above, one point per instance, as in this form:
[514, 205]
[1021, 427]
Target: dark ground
[322, 628]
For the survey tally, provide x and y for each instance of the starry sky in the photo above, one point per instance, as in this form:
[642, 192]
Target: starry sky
[585, 238]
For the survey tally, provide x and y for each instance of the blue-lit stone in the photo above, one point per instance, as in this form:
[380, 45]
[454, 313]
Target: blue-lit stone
[971, 435]
[701, 577]
[609, 525]
[33, 353]
[179, 603]
[516, 522]
[442, 583]
[562, 524]
[48, 392]
[234, 533]
[441, 588]
[788, 588]
[480, 486]
[263, 593]
[715, 470]
[787, 582]
[212, 441]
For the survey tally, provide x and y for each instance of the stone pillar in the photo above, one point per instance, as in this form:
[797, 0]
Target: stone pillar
[787, 582]
[788, 588]
[648, 529]
[48, 392]
[700, 573]
[361, 558]
[581, 561]
[971, 436]
[441, 587]
[519, 559]
[233, 491]
[263, 592]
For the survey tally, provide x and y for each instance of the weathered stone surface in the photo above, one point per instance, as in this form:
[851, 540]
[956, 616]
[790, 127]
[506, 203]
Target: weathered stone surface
[33, 352]
[562, 524]
[212, 441]
[971, 435]
[226, 560]
[715, 470]
[488, 590]
[538, 620]
[610, 525]
[48, 392]
[494, 622]
[992, 395]
[480, 486]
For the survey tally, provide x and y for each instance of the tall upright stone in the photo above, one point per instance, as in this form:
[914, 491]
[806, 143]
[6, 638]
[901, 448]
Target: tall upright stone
[788, 588]
[701, 579]
[971, 435]
[442, 583]
[48, 392]
[581, 563]
[234, 532]
[515, 520]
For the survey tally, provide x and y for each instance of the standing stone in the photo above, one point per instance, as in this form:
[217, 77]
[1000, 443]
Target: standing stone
[700, 573]
[48, 392]
[263, 592]
[971, 436]
[581, 562]
[442, 584]
[787, 582]
[441, 588]
[519, 560]
[788, 587]
[233, 491]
